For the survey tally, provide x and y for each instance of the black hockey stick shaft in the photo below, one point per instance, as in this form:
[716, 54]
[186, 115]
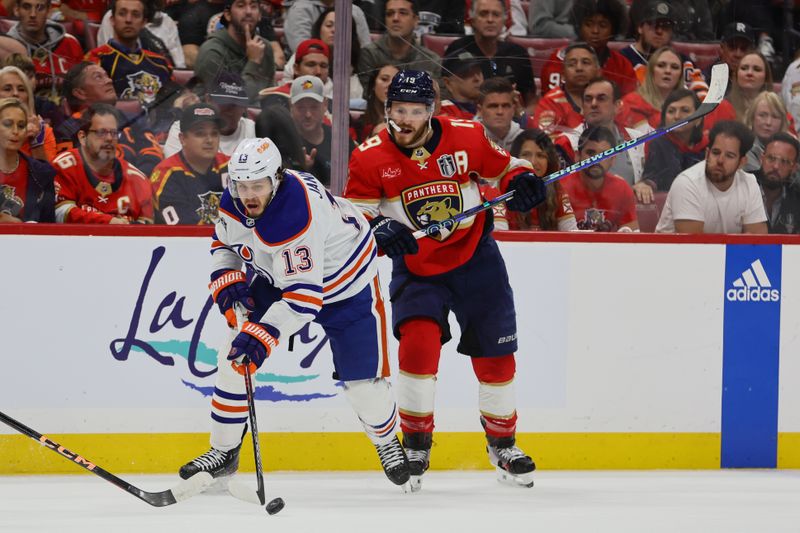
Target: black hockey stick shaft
[716, 92]
[251, 412]
[156, 499]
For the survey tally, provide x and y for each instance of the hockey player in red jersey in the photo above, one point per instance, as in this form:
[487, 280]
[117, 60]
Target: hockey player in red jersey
[93, 186]
[420, 170]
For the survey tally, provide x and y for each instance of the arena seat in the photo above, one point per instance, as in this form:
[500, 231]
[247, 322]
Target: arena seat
[182, 76]
[437, 42]
[375, 36]
[618, 45]
[132, 109]
[539, 50]
[702, 54]
[648, 214]
[5, 25]
[90, 35]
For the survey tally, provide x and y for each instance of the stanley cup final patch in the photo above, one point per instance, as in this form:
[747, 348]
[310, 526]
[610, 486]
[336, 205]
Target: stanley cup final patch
[433, 202]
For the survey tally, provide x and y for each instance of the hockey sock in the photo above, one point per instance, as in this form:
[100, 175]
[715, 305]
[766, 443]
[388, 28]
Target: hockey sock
[496, 394]
[373, 402]
[228, 403]
[420, 348]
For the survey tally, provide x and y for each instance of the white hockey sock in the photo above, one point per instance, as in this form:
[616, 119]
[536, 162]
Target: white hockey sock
[228, 403]
[416, 394]
[373, 402]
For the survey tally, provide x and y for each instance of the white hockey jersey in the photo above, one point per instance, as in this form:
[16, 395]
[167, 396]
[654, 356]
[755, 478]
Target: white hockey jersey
[314, 247]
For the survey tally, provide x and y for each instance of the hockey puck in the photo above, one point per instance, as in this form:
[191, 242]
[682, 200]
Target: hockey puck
[275, 506]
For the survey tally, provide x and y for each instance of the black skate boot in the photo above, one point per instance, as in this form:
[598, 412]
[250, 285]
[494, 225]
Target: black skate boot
[418, 450]
[394, 462]
[512, 465]
[215, 462]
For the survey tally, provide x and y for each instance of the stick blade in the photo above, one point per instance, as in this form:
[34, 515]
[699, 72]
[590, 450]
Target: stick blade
[192, 486]
[718, 84]
[242, 491]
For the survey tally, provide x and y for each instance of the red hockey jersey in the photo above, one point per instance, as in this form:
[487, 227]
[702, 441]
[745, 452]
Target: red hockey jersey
[84, 198]
[607, 209]
[616, 68]
[430, 184]
[555, 113]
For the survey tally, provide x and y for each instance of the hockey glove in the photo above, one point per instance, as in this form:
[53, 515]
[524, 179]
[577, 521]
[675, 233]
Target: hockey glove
[256, 341]
[529, 191]
[228, 287]
[394, 238]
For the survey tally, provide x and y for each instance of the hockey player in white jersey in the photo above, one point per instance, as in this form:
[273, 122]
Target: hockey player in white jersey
[307, 256]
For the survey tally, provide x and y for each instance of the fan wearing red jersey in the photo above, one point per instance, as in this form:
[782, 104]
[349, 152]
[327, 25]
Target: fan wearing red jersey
[420, 170]
[93, 186]
[602, 201]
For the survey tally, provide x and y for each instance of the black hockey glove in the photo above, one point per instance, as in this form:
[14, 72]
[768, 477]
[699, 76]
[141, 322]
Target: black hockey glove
[529, 191]
[394, 238]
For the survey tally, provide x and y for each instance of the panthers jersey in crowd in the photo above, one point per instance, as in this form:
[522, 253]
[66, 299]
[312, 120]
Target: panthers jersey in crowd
[182, 196]
[430, 184]
[85, 198]
[137, 74]
[314, 247]
[137, 145]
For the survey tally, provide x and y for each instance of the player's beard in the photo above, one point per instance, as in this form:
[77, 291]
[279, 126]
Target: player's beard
[419, 138]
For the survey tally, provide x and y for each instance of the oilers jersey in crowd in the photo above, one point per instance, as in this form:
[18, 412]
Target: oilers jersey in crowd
[432, 183]
[314, 247]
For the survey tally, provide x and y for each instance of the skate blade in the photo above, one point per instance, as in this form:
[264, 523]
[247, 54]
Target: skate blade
[416, 483]
[514, 480]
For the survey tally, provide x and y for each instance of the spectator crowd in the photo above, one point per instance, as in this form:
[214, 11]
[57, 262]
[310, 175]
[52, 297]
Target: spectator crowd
[126, 111]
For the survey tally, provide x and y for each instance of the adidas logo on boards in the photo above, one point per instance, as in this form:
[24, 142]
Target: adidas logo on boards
[753, 286]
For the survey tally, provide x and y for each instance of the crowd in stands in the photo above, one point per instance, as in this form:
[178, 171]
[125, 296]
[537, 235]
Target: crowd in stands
[126, 111]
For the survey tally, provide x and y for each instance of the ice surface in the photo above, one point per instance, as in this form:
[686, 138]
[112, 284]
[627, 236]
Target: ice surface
[752, 501]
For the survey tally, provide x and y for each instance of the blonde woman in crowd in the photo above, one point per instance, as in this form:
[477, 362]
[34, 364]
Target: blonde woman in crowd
[753, 76]
[766, 117]
[27, 193]
[641, 109]
[40, 141]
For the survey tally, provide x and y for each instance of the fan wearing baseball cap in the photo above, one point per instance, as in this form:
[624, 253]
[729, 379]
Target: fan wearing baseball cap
[229, 95]
[308, 106]
[187, 186]
[313, 58]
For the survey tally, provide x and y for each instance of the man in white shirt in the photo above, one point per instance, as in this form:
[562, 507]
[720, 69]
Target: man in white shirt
[230, 95]
[716, 195]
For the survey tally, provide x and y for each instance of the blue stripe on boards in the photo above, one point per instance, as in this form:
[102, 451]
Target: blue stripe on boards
[750, 356]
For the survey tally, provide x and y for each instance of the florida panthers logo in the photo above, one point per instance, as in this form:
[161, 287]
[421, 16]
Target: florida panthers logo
[142, 86]
[431, 203]
[209, 207]
[10, 203]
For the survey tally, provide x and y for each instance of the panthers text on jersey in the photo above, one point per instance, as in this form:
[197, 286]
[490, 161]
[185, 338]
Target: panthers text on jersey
[314, 247]
[84, 198]
[432, 183]
[183, 196]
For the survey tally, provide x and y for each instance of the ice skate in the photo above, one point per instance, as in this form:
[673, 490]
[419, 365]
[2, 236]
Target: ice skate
[512, 465]
[418, 450]
[215, 462]
[395, 463]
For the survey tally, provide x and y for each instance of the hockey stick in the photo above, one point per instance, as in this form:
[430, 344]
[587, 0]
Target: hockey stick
[716, 92]
[182, 491]
[239, 490]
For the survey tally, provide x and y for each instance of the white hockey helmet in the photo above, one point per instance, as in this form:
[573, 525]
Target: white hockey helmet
[255, 159]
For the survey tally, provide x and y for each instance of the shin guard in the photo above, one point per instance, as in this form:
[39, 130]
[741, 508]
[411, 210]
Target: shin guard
[496, 399]
[373, 402]
[420, 347]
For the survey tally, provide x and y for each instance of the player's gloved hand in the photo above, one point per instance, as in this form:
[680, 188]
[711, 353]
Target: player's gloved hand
[256, 341]
[228, 287]
[393, 237]
[529, 191]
